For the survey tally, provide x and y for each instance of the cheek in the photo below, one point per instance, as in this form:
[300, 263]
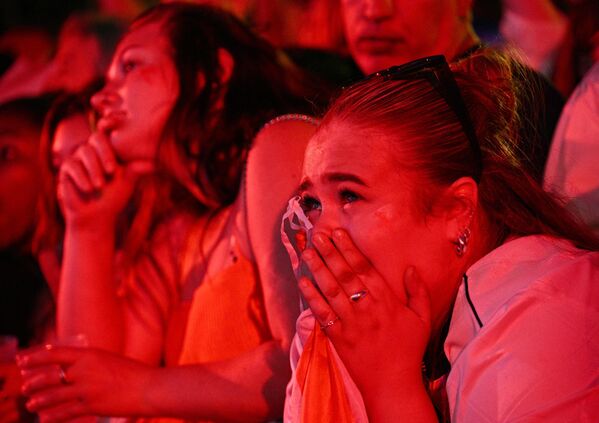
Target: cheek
[149, 112]
[147, 99]
[161, 88]
[382, 240]
[19, 192]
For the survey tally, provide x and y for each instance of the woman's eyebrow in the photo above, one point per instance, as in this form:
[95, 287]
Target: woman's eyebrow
[344, 177]
[130, 47]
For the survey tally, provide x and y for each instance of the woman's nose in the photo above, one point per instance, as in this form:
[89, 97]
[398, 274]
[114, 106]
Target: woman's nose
[376, 10]
[326, 222]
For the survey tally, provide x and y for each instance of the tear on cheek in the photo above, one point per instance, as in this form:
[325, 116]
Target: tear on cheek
[385, 214]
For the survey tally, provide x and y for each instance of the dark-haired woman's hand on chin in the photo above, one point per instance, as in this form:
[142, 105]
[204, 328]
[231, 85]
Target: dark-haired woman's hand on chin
[93, 187]
[380, 337]
[67, 382]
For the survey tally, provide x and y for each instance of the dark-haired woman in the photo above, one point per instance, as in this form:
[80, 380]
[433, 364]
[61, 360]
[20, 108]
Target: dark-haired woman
[187, 91]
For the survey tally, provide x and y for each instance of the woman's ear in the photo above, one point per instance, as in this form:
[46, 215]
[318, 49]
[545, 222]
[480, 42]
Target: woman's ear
[460, 202]
[225, 70]
[226, 64]
[200, 82]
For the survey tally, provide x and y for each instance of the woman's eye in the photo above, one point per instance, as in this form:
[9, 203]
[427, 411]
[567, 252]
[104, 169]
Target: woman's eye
[309, 204]
[7, 153]
[348, 196]
[128, 66]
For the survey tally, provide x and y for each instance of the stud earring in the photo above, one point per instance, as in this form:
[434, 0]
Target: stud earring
[462, 242]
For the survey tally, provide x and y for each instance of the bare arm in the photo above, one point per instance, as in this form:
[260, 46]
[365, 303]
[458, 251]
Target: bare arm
[87, 302]
[273, 175]
[94, 190]
[248, 388]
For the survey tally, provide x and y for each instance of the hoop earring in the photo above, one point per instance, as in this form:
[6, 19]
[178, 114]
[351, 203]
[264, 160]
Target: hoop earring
[462, 242]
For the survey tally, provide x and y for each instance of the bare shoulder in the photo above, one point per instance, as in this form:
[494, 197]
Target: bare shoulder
[282, 139]
[274, 165]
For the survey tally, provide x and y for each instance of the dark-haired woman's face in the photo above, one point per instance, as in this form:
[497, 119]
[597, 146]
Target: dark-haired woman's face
[142, 87]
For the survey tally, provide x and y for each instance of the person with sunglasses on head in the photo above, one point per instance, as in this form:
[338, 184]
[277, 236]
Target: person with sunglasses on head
[384, 33]
[444, 284]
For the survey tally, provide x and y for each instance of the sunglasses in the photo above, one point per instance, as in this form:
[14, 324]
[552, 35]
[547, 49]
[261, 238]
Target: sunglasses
[435, 69]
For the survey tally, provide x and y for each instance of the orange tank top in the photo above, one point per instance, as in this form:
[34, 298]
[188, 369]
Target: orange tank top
[227, 315]
[227, 318]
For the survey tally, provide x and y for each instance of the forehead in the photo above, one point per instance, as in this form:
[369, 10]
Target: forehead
[402, 8]
[341, 147]
[147, 35]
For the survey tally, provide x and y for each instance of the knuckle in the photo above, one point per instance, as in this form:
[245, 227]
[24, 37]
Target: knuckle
[63, 174]
[325, 250]
[315, 265]
[331, 291]
[321, 316]
[309, 293]
[82, 151]
[94, 139]
[67, 166]
[362, 267]
[345, 277]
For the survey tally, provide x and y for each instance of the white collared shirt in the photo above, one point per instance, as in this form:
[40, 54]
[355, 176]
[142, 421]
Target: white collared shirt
[536, 358]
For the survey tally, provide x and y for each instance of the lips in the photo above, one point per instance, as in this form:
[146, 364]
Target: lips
[111, 120]
[376, 44]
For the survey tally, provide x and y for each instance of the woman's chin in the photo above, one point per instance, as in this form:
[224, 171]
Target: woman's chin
[131, 148]
[124, 147]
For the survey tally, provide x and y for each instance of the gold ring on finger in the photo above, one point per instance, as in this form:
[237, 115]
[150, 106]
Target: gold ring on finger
[329, 323]
[357, 296]
[63, 376]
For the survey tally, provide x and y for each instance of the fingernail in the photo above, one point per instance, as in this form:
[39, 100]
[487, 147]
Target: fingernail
[20, 360]
[338, 233]
[31, 405]
[48, 347]
[319, 239]
[308, 254]
[25, 388]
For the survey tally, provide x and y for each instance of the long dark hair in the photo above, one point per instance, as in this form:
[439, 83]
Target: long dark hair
[263, 85]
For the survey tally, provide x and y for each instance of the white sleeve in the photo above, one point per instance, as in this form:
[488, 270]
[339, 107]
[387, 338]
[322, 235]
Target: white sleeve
[571, 169]
[537, 359]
